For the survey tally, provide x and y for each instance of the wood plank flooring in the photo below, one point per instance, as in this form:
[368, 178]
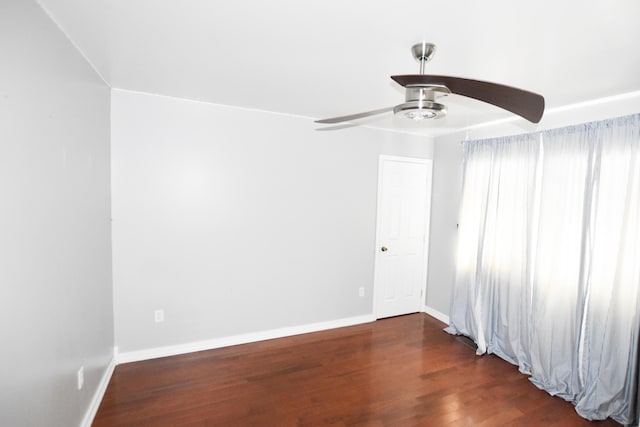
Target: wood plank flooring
[402, 371]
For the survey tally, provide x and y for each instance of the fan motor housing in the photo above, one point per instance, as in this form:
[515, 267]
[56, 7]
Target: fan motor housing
[420, 103]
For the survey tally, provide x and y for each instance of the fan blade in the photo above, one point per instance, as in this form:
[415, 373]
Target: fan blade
[354, 116]
[521, 102]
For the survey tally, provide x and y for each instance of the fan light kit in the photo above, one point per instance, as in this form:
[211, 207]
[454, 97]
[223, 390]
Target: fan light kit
[421, 89]
[420, 103]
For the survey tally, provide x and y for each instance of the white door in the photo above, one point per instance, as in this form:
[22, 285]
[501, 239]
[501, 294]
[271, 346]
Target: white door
[404, 200]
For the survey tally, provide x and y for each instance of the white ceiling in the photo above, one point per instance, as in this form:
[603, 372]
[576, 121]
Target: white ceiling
[327, 58]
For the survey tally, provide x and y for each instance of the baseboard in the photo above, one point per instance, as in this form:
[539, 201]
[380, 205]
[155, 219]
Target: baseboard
[153, 353]
[438, 315]
[92, 410]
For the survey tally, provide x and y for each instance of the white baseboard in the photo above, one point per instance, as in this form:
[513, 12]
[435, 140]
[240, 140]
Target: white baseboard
[92, 410]
[438, 315]
[172, 350]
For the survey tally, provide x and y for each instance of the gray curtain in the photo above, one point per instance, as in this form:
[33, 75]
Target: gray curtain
[548, 273]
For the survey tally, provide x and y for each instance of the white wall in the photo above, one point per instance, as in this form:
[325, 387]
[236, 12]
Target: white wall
[447, 185]
[55, 254]
[236, 221]
[447, 182]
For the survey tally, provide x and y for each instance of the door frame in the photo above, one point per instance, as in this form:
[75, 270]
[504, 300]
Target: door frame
[376, 279]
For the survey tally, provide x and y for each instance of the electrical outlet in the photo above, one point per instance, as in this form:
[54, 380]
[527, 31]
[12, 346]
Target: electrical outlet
[158, 316]
[361, 291]
[80, 377]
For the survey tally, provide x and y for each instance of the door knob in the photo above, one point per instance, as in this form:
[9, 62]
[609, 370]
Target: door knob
[384, 249]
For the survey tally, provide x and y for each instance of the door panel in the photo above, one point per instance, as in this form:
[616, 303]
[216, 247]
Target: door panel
[403, 212]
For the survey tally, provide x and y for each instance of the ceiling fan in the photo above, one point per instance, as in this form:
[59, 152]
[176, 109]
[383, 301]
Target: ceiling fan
[421, 89]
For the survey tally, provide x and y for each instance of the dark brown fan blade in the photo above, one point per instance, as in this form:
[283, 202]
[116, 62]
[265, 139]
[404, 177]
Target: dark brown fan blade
[354, 116]
[521, 102]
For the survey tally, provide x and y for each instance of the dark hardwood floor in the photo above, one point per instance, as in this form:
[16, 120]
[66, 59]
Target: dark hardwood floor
[402, 371]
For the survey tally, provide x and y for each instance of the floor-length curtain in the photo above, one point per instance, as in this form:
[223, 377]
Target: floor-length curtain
[548, 272]
[495, 228]
[613, 276]
[558, 289]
